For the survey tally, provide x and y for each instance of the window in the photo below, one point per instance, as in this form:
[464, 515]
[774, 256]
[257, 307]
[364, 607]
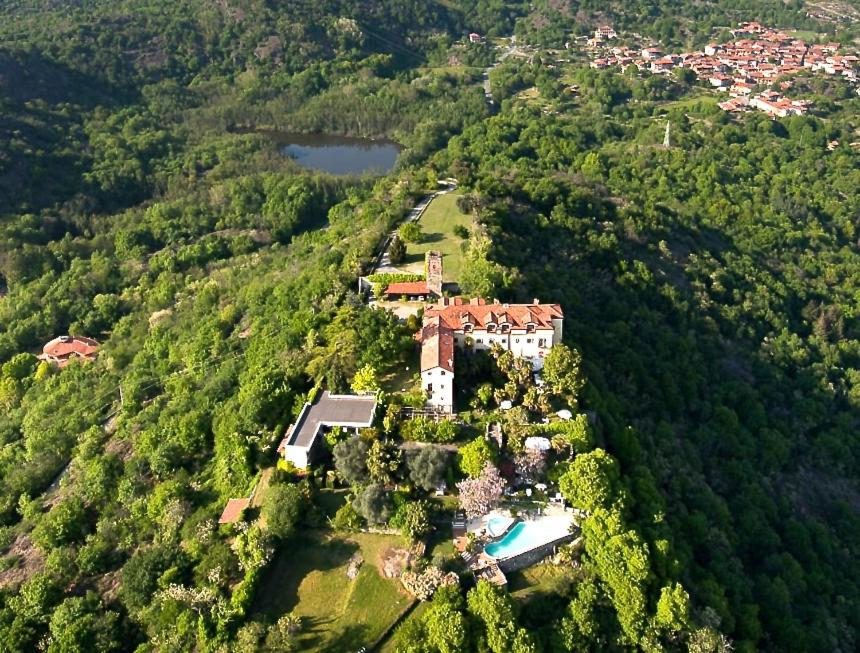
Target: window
[530, 340]
[530, 328]
[506, 328]
[442, 372]
[430, 388]
[542, 342]
[467, 328]
[479, 340]
[516, 340]
[491, 328]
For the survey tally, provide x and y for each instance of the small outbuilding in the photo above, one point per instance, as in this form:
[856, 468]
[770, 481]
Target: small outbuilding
[233, 511]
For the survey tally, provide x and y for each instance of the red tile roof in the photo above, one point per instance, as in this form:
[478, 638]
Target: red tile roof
[64, 348]
[233, 511]
[455, 312]
[407, 288]
[437, 345]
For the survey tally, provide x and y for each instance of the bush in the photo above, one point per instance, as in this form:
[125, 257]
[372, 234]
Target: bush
[66, 523]
[374, 504]
[282, 509]
[410, 232]
[346, 518]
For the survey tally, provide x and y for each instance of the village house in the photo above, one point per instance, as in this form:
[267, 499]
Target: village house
[604, 32]
[527, 330]
[63, 350]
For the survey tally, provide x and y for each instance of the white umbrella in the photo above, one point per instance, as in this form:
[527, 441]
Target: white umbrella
[537, 443]
[565, 414]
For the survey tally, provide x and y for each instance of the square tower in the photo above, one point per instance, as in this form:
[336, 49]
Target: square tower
[433, 271]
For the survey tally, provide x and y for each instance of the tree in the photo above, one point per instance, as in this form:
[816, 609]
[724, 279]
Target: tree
[365, 381]
[374, 504]
[495, 609]
[673, 608]
[478, 496]
[531, 464]
[445, 623]
[282, 634]
[410, 232]
[573, 436]
[562, 374]
[383, 460]
[473, 457]
[64, 524]
[427, 467]
[591, 482]
[81, 624]
[282, 509]
[396, 250]
[350, 460]
[413, 520]
[423, 585]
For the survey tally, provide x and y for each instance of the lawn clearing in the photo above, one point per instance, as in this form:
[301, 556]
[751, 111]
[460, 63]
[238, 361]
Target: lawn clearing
[388, 645]
[308, 578]
[438, 223]
[543, 578]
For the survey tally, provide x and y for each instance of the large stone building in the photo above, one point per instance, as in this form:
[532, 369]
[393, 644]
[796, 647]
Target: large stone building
[527, 330]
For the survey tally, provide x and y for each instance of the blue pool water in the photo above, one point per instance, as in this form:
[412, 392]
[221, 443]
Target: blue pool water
[522, 537]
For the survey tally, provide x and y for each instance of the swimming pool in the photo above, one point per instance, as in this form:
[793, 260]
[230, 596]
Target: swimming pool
[498, 525]
[526, 536]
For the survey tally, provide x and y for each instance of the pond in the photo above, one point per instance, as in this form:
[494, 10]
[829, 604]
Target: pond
[338, 155]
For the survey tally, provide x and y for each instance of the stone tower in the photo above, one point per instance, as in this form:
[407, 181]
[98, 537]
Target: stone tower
[433, 271]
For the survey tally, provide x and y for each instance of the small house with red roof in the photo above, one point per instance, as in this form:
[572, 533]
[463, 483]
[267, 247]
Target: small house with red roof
[64, 349]
[428, 290]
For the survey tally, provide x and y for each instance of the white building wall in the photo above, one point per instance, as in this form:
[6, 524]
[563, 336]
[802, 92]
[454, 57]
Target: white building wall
[438, 383]
[297, 455]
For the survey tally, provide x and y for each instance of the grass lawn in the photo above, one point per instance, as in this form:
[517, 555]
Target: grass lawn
[543, 578]
[309, 578]
[405, 377]
[438, 224]
[388, 645]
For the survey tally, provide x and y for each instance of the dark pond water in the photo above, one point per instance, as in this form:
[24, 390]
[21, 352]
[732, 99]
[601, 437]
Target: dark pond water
[338, 155]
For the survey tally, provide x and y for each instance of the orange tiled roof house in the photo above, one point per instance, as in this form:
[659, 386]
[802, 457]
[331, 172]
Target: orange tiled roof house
[63, 349]
[528, 330]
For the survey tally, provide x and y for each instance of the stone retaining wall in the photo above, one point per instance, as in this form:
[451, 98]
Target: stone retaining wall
[535, 555]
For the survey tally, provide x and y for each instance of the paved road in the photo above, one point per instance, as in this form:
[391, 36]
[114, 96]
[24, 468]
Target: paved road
[507, 51]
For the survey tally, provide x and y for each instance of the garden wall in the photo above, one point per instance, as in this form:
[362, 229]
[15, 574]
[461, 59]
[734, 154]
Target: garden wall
[535, 555]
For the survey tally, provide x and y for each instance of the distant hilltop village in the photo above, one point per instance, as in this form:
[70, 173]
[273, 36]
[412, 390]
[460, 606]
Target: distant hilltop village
[758, 55]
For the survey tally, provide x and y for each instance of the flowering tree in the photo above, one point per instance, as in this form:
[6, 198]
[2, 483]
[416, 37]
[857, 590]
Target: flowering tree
[480, 495]
[425, 584]
[531, 464]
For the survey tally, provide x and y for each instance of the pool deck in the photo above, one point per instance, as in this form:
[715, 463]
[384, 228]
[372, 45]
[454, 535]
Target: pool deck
[554, 528]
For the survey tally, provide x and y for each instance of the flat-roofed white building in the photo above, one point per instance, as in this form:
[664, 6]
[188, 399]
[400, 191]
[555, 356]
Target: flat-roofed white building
[345, 411]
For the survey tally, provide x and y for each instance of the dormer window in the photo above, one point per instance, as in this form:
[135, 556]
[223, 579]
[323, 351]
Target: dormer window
[467, 328]
[506, 328]
[530, 327]
[491, 327]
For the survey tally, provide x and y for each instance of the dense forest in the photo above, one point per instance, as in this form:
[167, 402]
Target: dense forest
[710, 288]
